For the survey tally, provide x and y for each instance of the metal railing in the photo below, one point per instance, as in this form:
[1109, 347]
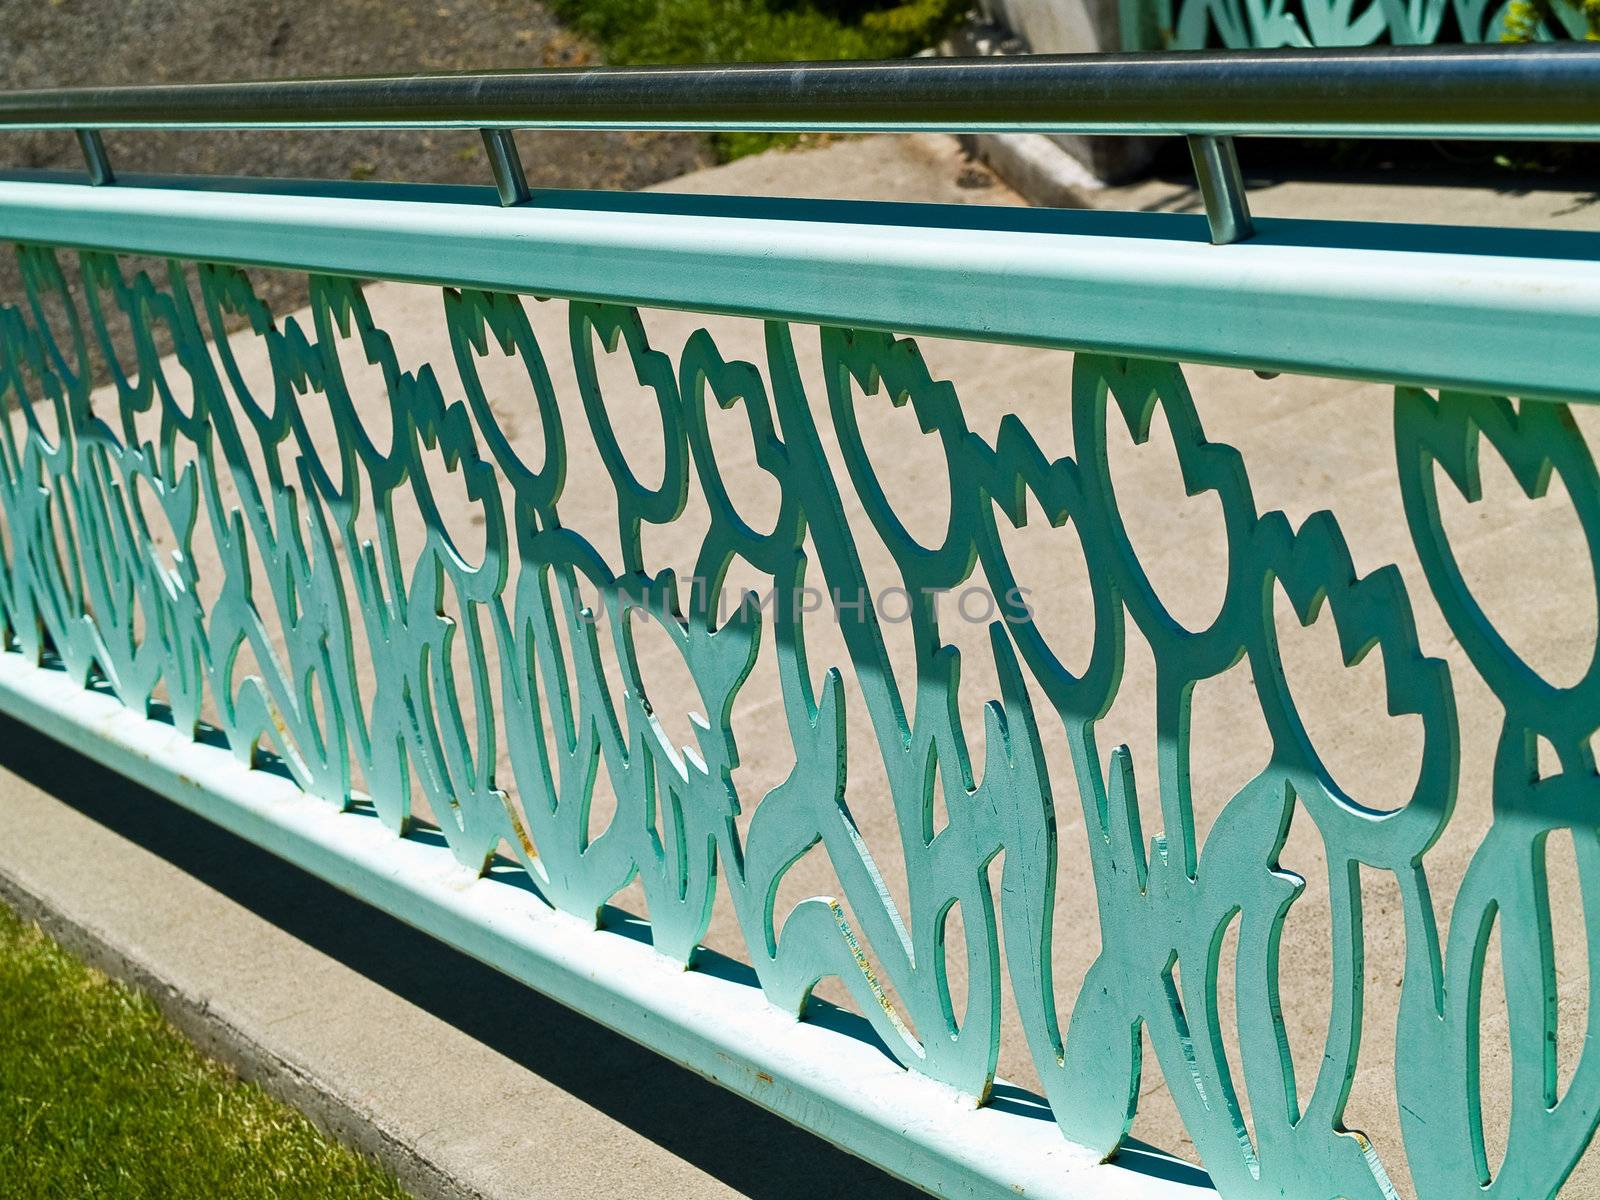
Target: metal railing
[1388, 91]
[234, 548]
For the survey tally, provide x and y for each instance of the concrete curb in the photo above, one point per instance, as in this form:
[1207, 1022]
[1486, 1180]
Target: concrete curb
[1037, 169]
[1050, 172]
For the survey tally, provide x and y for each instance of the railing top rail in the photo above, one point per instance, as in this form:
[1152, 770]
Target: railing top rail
[1539, 91]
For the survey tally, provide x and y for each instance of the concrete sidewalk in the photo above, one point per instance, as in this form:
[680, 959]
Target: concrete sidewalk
[473, 1086]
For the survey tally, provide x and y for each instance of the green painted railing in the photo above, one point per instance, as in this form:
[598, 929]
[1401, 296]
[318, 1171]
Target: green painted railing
[230, 577]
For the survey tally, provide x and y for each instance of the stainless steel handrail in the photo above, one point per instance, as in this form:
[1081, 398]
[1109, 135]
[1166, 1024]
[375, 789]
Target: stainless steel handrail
[1539, 91]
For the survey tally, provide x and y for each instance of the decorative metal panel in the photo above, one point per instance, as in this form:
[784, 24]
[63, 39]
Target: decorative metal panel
[1268, 24]
[362, 699]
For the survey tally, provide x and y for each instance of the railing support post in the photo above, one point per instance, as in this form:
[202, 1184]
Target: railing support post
[507, 166]
[95, 157]
[1216, 168]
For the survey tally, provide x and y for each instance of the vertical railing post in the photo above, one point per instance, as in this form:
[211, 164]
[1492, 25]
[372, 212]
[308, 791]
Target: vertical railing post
[1216, 168]
[507, 166]
[95, 157]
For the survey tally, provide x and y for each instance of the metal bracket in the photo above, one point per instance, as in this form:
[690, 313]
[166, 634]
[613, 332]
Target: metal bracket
[95, 157]
[1216, 168]
[507, 166]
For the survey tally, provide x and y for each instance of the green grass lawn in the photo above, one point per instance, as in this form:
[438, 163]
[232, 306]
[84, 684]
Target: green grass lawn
[718, 31]
[100, 1097]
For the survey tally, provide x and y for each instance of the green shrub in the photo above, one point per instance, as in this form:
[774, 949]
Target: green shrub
[720, 31]
[1525, 17]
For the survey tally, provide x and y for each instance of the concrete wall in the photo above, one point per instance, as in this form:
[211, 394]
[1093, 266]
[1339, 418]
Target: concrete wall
[1070, 27]
[1060, 26]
